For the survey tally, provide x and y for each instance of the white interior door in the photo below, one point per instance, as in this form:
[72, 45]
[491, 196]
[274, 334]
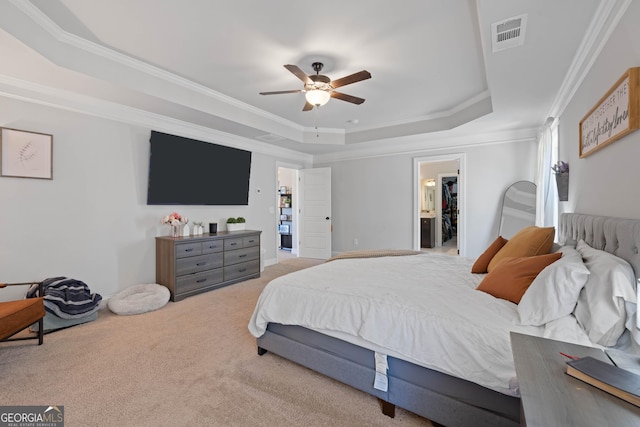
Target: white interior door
[315, 213]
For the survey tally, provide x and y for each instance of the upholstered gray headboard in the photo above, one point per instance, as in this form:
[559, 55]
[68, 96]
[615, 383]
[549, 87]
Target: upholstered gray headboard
[618, 236]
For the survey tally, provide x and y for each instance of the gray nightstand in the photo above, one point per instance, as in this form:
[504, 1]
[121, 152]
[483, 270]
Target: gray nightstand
[552, 398]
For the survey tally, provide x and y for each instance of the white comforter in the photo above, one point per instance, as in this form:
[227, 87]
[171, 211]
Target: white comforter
[422, 308]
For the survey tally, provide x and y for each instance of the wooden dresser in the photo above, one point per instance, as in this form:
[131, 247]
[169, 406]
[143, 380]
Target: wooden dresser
[194, 264]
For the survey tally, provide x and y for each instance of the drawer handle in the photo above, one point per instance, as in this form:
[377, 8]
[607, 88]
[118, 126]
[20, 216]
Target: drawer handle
[189, 250]
[242, 270]
[251, 241]
[232, 244]
[213, 246]
[201, 263]
[242, 256]
[201, 280]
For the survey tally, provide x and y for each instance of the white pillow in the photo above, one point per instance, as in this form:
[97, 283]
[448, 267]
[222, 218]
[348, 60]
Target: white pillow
[554, 292]
[601, 308]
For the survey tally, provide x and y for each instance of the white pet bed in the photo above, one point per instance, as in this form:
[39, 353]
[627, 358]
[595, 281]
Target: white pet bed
[139, 299]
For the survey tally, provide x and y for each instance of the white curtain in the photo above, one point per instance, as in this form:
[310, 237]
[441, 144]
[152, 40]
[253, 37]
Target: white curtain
[546, 197]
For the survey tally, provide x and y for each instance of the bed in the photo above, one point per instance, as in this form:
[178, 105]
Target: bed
[456, 373]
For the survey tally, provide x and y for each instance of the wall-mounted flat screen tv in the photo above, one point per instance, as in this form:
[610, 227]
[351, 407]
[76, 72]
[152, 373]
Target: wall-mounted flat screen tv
[184, 171]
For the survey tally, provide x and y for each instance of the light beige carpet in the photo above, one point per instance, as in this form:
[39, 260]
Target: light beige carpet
[191, 363]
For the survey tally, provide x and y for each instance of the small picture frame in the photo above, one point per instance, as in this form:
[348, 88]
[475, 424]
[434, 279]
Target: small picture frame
[25, 154]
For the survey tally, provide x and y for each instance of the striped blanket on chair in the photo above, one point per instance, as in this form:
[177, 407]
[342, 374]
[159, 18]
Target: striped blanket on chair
[66, 298]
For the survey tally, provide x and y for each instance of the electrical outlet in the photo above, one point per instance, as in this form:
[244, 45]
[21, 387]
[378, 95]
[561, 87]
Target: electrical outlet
[355, 241]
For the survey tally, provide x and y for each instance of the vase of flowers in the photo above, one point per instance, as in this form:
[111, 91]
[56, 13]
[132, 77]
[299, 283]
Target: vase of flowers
[175, 221]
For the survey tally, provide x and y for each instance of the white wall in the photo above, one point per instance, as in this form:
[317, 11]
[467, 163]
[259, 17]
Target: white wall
[605, 182]
[373, 198]
[91, 222]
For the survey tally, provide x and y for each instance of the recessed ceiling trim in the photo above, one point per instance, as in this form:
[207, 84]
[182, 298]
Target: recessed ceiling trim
[97, 49]
[270, 138]
[434, 116]
[35, 93]
[427, 143]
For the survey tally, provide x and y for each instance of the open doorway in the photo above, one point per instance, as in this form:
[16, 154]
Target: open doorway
[439, 204]
[447, 210]
[286, 218]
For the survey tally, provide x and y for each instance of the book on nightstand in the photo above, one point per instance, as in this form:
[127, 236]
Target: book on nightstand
[619, 382]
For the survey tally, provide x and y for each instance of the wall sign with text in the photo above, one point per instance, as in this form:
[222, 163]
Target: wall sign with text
[614, 116]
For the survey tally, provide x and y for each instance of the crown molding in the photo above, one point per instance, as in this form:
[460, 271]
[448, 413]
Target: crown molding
[35, 93]
[604, 22]
[427, 117]
[93, 48]
[11, 87]
[97, 49]
[426, 143]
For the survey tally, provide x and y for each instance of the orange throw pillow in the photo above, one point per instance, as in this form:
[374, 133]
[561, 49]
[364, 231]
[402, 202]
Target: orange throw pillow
[511, 278]
[530, 241]
[481, 264]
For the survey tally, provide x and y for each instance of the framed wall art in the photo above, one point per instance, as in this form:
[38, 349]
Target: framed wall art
[615, 115]
[25, 154]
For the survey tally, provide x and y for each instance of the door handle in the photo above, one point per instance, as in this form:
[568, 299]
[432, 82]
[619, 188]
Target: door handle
[327, 218]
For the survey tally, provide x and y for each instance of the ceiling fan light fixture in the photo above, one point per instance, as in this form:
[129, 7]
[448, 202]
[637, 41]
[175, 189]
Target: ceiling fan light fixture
[317, 97]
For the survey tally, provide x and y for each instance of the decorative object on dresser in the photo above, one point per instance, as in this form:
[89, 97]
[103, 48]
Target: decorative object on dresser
[236, 224]
[26, 154]
[198, 228]
[174, 220]
[195, 264]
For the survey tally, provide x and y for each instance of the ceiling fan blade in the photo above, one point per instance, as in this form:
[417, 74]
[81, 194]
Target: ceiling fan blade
[353, 78]
[349, 98]
[278, 92]
[299, 73]
[307, 106]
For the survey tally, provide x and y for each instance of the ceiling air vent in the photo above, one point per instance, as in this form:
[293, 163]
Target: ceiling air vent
[508, 33]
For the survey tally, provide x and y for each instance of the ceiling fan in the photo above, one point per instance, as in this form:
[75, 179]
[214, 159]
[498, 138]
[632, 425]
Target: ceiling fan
[318, 89]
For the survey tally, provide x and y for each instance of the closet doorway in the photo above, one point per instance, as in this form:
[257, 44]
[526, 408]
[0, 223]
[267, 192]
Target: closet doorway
[286, 218]
[446, 233]
[439, 204]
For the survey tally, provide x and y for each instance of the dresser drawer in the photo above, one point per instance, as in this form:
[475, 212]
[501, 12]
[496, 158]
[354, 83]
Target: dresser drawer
[196, 281]
[250, 241]
[212, 246]
[241, 255]
[241, 270]
[188, 249]
[231, 244]
[198, 263]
